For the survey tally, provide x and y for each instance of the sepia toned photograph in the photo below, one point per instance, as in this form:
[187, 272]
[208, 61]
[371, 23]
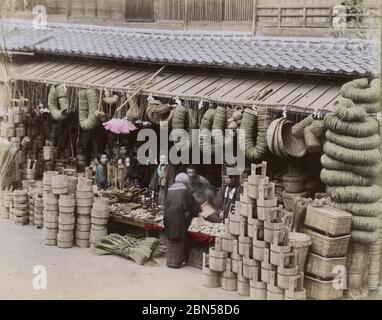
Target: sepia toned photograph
[192, 150]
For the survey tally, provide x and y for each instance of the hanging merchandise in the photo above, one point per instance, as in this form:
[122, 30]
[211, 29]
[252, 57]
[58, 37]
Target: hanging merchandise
[363, 94]
[254, 152]
[58, 102]
[120, 126]
[206, 145]
[157, 111]
[88, 103]
[135, 111]
[179, 122]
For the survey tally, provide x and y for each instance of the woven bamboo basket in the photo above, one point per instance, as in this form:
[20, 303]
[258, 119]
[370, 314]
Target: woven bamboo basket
[322, 267]
[288, 199]
[328, 247]
[293, 145]
[322, 289]
[328, 220]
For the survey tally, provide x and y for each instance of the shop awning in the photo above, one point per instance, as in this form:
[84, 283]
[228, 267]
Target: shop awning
[220, 88]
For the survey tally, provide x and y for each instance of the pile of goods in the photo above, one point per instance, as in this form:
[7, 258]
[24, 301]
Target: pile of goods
[6, 204]
[329, 230]
[50, 218]
[38, 208]
[20, 211]
[211, 229]
[99, 219]
[294, 188]
[84, 206]
[351, 162]
[139, 250]
[288, 140]
[66, 220]
[256, 255]
[131, 194]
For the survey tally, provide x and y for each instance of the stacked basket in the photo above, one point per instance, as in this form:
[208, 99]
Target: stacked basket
[50, 218]
[99, 219]
[66, 221]
[329, 229]
[84, 204]
[256, 255]
[38, 209]
[20, 207]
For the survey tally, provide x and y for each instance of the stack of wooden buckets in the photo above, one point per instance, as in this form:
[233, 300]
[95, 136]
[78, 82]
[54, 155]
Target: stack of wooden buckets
[84, 205]
[256, 255]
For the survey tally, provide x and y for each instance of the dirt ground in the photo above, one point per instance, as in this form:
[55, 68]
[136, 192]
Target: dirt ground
[77, 273]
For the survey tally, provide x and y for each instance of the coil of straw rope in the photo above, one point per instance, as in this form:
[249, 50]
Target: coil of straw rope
[354, 129]
[356, 157]
[87, 105]
[157, 111]
[343, 178]
[206, 145]
[359, 209]
[364, 237]
[135, 111]
[218, 126]
[254, 152]
[313, 144]
[58, 103]
[346, 110]
[298, 128]
[366, 194]
[179, 122]
[365, 171]
[369, 224]
[359, 91]
[367, 143]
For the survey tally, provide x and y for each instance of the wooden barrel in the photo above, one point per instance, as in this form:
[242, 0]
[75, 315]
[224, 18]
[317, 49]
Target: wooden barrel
[17, 115]
[60, 184]
[84, 184]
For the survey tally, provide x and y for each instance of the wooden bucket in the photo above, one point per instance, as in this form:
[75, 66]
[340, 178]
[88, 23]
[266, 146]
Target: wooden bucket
[210, 279]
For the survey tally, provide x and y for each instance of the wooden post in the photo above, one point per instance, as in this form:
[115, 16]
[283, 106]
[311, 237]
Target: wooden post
[254, 17]
[185, 13]
[304, 17]
[279, 23]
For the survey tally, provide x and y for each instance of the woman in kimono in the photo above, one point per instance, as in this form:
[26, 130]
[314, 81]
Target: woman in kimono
[180, 208]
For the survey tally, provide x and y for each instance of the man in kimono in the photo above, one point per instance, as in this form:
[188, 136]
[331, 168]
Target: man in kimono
[101, 172]
[163, 177]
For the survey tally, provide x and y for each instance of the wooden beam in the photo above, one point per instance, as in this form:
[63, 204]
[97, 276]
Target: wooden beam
[254, 17]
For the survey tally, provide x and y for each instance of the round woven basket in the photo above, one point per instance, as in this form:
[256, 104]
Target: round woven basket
[271, 134]
[293, 146]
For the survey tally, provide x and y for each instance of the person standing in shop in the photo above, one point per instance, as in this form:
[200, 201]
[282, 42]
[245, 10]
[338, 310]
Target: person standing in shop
[101, 172]
[180, 208]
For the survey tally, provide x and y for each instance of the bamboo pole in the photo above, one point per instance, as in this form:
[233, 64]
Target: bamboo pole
[142, 87]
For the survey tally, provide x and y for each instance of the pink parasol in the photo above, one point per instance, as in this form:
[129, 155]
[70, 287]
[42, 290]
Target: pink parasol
[118, 126]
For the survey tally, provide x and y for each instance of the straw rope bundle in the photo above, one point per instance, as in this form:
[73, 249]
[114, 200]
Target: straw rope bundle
[359, 91]
[255, 152]
[346, 110]
[353, 129]
[293, 146]
[157, 111]
[298, 128]
[218, 126]
[357, 194]
[369, 224]
[313, 144]
[351, 156]
[365, 143]
[135, 111]
[359, 209]
[58, 103]
[206, 145]
[179, 121]
[343, 178]
[234, 120]
[88, 104]
[365, 171]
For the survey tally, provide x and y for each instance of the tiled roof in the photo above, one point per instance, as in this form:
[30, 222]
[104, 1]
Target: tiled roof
[228, 50]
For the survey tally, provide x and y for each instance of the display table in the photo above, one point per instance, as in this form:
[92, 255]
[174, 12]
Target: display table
[196, 236]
